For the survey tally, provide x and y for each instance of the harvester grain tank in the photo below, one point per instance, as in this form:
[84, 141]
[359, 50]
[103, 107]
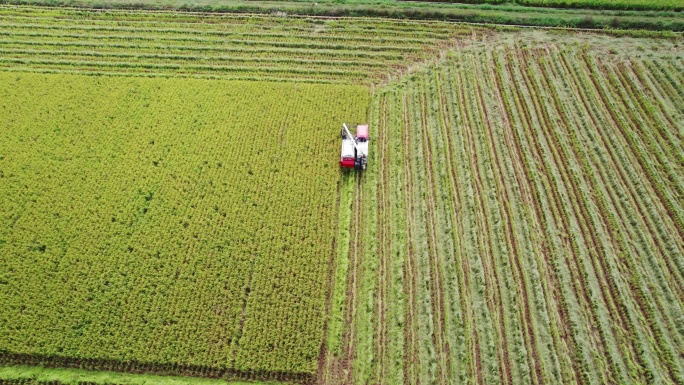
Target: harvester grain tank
[354, 148]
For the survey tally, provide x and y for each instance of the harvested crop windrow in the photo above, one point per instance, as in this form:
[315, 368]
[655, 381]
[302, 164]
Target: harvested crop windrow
[184, 44]
[533, 191]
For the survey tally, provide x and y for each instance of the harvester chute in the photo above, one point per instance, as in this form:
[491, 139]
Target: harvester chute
[354, 152]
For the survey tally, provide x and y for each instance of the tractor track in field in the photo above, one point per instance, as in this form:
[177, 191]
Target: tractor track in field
[511, 139]
[665, 172]
[491, 267]
[526, 212]
[666, 88]
[673, 80]
[557, 291]
[566, 219]
[626, 140]
[644, 135]
[437, 288]
[506, 202]
[553, 288]
[669, 143]
[636, 287]
[556, 150]
[642, 214]
[461, 257]
[565, 213]
[325, 360]
[671, 83]
[412, 356]
[656, 92]
[452, 179]
[488, 263]
[349, 335]
[296, 46]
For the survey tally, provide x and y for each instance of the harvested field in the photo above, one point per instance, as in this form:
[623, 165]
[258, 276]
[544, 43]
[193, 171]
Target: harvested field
[524, 218]
[227, 46]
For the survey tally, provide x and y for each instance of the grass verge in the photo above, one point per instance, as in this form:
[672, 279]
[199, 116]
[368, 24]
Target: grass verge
[38, 374]
[473, 13]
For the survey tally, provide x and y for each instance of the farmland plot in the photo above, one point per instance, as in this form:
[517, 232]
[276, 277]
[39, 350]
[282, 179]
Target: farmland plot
[169, 225]
[232, 46]
[523, 222]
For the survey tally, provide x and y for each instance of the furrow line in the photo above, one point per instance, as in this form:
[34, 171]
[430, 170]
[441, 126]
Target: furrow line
[636, 113]
[652, 88]
[587, 222]
[218, 48]
[216, 42]
[674, 87]
[634, 283]
[554, 220]
[410, 270]
[484, 275]
[455, 297]
[651, 173]
[38, 54]
[201, 32]
[436, 266]
[384, 247]
[627, 176]
[470, 282]
[488, 152]
[511, 207]
[527, 318]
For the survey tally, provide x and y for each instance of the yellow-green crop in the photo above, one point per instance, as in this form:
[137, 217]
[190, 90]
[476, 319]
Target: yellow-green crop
[169, 223]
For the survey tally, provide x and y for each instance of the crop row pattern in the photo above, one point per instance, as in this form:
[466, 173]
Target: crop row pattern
[529, 222]
[226, 46]
[175, 225]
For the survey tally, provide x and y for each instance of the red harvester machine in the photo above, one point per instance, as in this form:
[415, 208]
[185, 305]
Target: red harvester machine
[354, 148]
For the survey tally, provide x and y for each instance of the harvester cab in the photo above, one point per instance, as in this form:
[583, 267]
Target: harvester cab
[354, 148]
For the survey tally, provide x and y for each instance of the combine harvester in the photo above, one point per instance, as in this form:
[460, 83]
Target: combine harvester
[354, 148]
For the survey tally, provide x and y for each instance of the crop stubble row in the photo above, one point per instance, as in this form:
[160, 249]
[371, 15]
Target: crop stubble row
[228, 46]
[528, 221]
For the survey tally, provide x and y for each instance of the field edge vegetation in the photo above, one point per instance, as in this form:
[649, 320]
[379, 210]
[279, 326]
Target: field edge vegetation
[26, 375]
[472, 13]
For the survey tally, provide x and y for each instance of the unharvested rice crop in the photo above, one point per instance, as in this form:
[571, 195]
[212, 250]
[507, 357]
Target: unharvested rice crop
[168, 224]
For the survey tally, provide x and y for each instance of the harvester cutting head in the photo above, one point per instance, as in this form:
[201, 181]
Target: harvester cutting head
[354, 148]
